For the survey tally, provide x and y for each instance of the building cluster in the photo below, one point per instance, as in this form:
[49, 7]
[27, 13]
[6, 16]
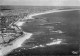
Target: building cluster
[6, 31]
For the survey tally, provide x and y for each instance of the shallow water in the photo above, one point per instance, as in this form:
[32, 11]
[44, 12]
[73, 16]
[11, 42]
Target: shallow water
[66, 22]
[53, 33]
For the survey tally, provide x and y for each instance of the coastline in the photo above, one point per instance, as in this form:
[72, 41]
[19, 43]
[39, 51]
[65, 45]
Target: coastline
[16, 44]
[46, 12]
[19, 41]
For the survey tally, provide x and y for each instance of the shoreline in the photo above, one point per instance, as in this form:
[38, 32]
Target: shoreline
[18, 42]
[50, 11]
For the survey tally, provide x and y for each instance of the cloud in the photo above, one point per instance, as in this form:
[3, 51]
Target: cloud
[42, 2]
[72, 3]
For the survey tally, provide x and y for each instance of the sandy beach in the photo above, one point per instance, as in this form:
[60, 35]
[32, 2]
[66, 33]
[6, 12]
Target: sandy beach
[16, 44]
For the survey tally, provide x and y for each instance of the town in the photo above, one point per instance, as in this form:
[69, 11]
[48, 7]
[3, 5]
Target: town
[9, 30]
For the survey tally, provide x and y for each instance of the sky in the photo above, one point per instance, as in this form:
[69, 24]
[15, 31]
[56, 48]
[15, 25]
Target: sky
[41, 2]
